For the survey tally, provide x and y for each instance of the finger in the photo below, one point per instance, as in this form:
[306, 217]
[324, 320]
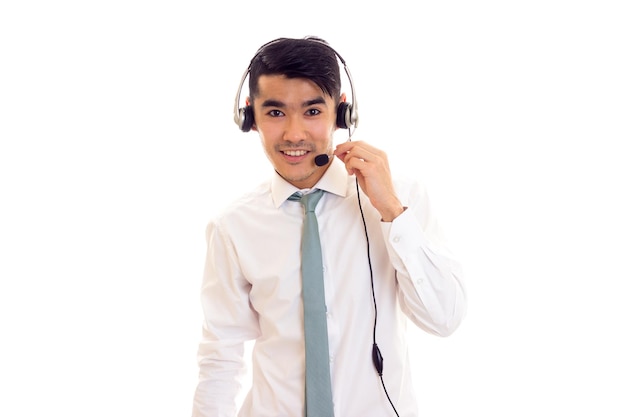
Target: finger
[359, 158]
[345, 147]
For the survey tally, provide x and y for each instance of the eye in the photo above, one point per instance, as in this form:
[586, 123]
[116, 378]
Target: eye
[313, 112]
[275, 113]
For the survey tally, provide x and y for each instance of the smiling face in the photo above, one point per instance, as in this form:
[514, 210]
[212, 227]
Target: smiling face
[295, 121]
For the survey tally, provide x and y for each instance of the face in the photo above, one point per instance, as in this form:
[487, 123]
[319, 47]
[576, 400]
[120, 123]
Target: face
[295, 122]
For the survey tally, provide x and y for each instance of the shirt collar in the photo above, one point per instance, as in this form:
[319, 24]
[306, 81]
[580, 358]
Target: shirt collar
[333, 181]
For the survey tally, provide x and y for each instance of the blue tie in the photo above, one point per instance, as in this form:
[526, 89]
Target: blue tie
[318, 395]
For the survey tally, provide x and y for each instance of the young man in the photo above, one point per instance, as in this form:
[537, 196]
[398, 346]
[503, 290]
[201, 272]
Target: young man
[383, 262]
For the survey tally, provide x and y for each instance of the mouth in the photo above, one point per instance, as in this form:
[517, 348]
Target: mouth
[295, 155]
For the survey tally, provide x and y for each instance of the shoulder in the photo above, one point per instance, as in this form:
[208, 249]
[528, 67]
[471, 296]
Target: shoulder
[244, 206]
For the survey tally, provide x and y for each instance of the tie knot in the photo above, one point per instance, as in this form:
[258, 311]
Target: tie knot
[309, 201]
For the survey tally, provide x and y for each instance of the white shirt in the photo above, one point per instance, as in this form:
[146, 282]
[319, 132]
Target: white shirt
[252, 291]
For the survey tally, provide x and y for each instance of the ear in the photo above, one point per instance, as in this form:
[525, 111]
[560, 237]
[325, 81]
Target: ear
[342, 99]
[343, 113]
[249, 105]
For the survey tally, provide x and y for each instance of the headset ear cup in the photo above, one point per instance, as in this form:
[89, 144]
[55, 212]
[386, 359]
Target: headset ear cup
[246, 118]
[344, 114]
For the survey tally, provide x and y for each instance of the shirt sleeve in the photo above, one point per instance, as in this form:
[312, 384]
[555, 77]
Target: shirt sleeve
[430, 283]
[229, 321]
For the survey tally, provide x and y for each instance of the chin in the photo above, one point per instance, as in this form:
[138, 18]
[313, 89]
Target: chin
[298, 177]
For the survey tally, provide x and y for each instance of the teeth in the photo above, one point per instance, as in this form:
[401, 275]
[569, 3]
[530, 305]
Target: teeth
[295, 153]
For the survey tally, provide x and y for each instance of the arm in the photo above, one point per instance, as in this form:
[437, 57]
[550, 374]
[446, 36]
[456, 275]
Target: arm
[430, 282]
[430, 285]
[228, 323]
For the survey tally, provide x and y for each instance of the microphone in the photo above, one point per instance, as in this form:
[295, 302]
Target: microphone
[321, 160]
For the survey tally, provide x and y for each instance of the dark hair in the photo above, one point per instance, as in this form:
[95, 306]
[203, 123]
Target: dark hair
[310, 57]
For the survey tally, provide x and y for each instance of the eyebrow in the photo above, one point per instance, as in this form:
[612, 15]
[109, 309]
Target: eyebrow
[280, 104]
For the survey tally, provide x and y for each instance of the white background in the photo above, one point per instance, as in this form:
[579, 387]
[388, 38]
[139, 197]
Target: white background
[117, 146]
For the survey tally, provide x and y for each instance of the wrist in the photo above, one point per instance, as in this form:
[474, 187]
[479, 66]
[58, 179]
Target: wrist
[390, 214]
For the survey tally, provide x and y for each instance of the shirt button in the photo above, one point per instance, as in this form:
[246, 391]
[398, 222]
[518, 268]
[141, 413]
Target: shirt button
[419, 281]
[396, 239]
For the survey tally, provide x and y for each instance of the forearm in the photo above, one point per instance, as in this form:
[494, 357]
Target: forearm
[431, 290]
[221, 368]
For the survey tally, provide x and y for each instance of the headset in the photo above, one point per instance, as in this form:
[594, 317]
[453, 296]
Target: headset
[347, 114]
[347, 118]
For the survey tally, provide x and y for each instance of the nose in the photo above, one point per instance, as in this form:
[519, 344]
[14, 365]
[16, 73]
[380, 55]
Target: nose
[295, 129]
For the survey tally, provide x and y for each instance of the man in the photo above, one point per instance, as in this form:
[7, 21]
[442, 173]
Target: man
[382, 256]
